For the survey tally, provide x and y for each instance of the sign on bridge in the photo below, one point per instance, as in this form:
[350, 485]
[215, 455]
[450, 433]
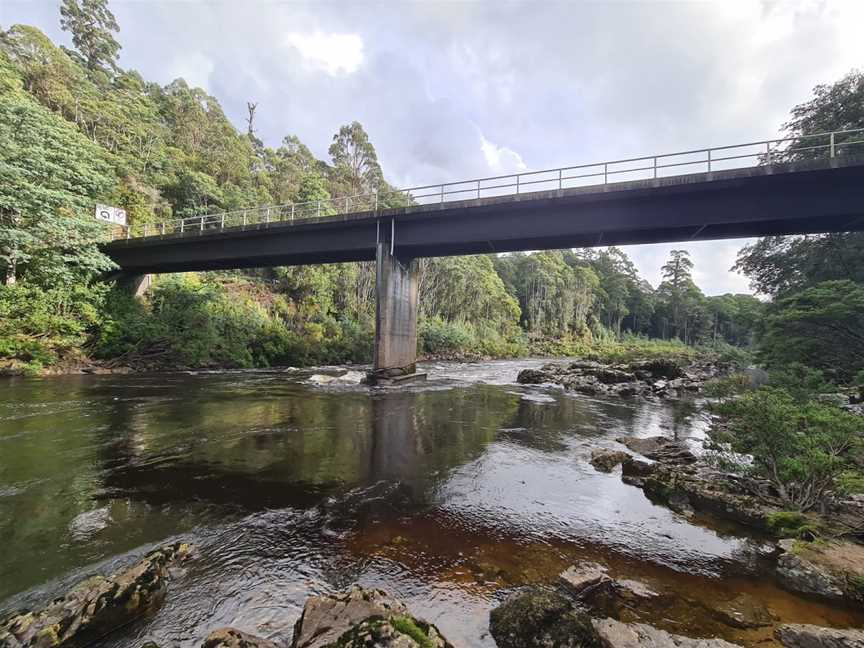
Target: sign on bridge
[113, 215]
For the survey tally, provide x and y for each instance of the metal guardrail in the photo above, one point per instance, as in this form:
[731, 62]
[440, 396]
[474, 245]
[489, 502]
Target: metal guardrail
[765, 152]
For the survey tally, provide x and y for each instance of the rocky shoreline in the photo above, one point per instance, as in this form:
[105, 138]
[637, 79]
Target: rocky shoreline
[657, 378]
[585, 608]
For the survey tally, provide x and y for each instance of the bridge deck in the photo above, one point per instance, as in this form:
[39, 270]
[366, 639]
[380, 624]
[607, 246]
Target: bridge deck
[796, 198]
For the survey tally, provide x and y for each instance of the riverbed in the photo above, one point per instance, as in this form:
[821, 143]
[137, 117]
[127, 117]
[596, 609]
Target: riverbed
[447, 494]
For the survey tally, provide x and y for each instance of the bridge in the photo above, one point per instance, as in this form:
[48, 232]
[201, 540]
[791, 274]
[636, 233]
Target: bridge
[743, 190]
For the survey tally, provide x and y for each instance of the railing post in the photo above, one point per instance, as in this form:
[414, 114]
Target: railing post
[182, 224]
[709, 160]
[832, 145]
[267, 216]
[606, 173]
[162, 227]
[655, 167]
[145, 229]
[517, 184]
[202, 224]
[319, 209]
[560, 186]
[222, 221]
[376, 200]
[478, 190]
[244, 218]
[128, 235]
[768, 153]
[442, 194]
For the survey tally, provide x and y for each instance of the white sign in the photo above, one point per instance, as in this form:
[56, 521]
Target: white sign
[109, 214]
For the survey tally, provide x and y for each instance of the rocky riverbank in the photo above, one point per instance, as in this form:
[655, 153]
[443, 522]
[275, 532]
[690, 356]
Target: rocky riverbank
[816, 562]
[585, 608]
[650, 378]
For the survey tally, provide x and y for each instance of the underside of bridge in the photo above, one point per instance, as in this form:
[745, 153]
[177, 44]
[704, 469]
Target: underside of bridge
[797, 198]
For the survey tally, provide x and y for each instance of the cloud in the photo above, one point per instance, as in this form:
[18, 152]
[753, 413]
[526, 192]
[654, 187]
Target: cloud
[333, 53]
[195, 67]
[500, 158]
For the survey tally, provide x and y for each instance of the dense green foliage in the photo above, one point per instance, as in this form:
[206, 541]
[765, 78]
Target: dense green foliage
[801, 447]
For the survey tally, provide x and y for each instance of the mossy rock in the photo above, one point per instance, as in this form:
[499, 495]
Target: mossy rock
[541, 617]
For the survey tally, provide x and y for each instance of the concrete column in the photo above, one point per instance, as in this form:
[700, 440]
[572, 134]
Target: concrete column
[135, 284]
[395, 314]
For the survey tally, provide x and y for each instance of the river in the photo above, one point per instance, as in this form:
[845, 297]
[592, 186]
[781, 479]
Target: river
[446, 494]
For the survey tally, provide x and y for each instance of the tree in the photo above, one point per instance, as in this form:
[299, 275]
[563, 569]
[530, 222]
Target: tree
[50, 178]
[821, 326]
[355, 163]
[93, 27]
[677, 288]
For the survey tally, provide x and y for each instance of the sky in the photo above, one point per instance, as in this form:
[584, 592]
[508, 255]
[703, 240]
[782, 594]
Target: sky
[449, 90]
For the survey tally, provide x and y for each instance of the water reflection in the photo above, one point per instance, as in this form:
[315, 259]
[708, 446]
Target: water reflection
[443, 493]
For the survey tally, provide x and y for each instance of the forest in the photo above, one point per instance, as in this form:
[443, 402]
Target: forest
[76, 129]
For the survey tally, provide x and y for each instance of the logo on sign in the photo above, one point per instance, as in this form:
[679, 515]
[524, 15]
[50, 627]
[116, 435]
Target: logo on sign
[113, 215]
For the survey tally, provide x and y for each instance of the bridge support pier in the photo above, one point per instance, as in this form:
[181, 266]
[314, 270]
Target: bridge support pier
[396, 283]
[135, 284]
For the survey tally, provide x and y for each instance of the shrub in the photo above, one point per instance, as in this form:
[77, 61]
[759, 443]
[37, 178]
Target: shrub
[802, 449]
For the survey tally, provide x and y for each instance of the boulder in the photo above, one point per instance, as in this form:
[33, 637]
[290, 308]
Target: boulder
[541, 617]
[581, 580]
[830, 569]
[659, 448]
[605, 460]
[614, 634]
[395, 632]
[357, 616]
[233, 638]
[97, 605]
[533, 377]
[811, 636]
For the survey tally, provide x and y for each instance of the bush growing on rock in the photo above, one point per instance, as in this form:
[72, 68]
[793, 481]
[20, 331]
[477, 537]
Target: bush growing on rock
[802, 449]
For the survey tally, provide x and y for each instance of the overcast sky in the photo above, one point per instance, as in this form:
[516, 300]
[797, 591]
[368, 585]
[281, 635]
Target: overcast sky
[450, 91]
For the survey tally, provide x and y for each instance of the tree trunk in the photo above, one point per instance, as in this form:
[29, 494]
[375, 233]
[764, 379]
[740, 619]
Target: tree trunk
[10, 277]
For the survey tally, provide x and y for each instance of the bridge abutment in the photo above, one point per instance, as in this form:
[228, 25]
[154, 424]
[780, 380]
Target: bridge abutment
[396, 285]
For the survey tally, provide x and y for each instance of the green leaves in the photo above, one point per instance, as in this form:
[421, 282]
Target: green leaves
[801, 448]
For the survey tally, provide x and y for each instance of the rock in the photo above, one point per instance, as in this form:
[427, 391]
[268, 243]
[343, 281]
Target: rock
[532, 377]
[743, 611]
[659, 448]
[692, 487]
[580, 580]
[831, 569]
[348, 378]
[605, 460]
[541, 617]
[326, 620]
[233, 638]
[96, 606]
[396, 632]
[614, 634]
[656, 377]
[811, 636]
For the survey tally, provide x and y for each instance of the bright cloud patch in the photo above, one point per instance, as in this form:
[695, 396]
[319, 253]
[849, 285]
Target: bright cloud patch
[194, 67]
[500, 158]
[334, 53]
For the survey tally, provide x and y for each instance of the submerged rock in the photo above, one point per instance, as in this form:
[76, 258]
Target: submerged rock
[605, 460]
[541, 617]
[831, 569]
[96, 606]
[358, 617]
[743, 611]
[614, 634]
[811, 636]
[233, 638]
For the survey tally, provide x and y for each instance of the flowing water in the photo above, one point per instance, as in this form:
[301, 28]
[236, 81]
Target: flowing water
[446, 494]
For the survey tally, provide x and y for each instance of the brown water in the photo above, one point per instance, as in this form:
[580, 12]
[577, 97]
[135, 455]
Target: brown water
[447, 495]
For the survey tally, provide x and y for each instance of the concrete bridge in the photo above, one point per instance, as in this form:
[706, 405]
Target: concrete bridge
[528, 211]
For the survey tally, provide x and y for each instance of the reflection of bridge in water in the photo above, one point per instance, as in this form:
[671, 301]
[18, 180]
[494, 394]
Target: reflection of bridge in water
[726, 192]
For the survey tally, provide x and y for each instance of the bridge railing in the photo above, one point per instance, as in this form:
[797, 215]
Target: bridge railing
[765, 152]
